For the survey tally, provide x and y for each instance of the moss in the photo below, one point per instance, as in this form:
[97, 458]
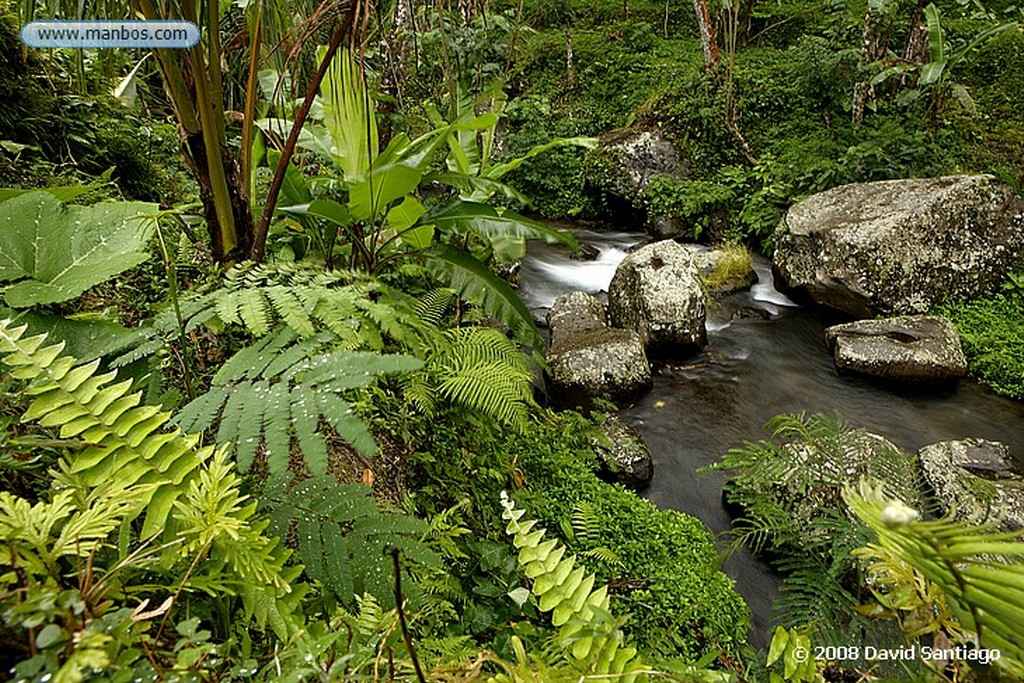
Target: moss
[731, 268]
[992, 332]
[666, 572]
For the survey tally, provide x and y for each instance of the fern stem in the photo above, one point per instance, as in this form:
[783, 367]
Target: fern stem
[401, 615]
[172, 292]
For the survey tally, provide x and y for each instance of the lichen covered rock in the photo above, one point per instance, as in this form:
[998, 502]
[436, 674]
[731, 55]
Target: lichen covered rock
[900, 246]
[657, 292]
[624, 456]
[978, 480]
[917, 348]
[590, 360]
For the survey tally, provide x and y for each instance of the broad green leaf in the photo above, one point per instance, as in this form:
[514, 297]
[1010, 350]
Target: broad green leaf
[498, 170]
[519, 595]
[54, 252]
[328, 209]
[349, 116]
[368, 198]
[420, 237]
[490, 223]
[65, 193]
[295, 189]
[936, 39]
[406, 214]
[476, 283]
[931, 73]
[778, 645]
[83, 338]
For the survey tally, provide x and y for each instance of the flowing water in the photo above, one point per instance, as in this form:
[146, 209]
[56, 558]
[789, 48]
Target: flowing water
[765, 356]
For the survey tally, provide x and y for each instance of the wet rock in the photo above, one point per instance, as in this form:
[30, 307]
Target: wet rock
[631, 158]
[588, 359]
[900, 246]
[916, 348]
[813, 471]
[624, 456]
[625, 163]
[665, 227]
[573, 314]
[658, 293]
[586, 252]
[978, 480]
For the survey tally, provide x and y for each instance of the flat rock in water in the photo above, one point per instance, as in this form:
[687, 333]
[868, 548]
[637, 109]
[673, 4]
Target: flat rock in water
[900, 246]
[916, 348]
[657, 292]
[590, 360]
[624, 455]
[978, 480]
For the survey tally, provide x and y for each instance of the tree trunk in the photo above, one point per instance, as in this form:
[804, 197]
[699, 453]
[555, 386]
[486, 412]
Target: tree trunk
[194, 150]
[707, 34]
[570, 71]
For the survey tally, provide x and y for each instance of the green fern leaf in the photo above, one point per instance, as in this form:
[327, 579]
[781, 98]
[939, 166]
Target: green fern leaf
[282, 387]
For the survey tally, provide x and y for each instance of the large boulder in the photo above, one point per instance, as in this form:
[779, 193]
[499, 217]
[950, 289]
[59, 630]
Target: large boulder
[915, 348]
[805, 476]
[625, 163]
[631, 158]
[978, 480]
[573, 314]
[900, 246]
[657, 292]
[624, 456]
[590, 360]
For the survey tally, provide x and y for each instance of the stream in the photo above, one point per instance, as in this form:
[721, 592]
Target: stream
[765, 356]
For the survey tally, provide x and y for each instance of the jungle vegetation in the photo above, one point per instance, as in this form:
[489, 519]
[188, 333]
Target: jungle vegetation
[267, 390]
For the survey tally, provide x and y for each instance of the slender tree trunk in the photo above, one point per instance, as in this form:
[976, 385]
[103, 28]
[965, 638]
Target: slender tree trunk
[570, 70]
[707, 34]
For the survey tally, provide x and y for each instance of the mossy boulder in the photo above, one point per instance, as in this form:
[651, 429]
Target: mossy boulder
[590, 360]
[976, 480]
[625, 458]
[900, 246]
[658, 293]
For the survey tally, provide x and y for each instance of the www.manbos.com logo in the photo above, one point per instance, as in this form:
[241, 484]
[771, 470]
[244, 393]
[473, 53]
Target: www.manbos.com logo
[169, 34]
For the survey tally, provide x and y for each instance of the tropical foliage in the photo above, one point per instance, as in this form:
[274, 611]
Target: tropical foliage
[269, 386]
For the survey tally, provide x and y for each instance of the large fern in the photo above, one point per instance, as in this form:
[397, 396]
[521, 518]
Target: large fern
[478, 368]
[342, 534]
[283, 387]
[789, 491]
[360, 312]
[588, 631]
[187, 493]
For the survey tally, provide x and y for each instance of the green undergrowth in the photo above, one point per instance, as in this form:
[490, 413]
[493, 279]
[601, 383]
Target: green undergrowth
[992, 332]
[662, 565]
[789, 94]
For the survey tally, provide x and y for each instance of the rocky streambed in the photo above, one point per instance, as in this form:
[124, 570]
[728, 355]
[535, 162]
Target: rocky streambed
[764, 355]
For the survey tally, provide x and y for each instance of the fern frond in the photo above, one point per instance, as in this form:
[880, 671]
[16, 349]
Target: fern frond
[187, 492]
[981, 571]
[342, 534]
[587, 629]
[281, 388]
[480, 369]
[360, 313]
[435, 305]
